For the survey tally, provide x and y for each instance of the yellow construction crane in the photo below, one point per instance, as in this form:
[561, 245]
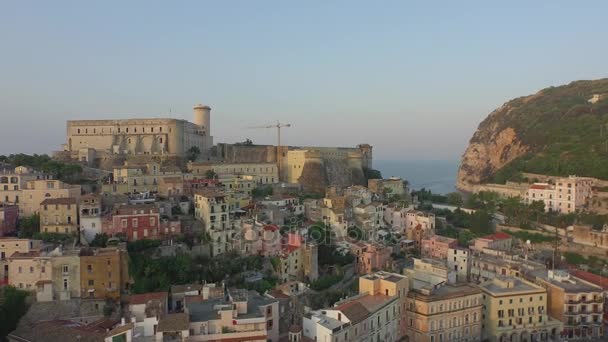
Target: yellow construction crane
[278, 126]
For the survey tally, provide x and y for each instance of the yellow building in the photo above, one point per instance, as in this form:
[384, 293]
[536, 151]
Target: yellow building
[140, 178]
[104, 273]
[13, 181]
[10, 246]
[444, 313]
[516, 310]
[219, 212]
[388, 284]
[374, 315]
[40, 190]
[59, 215]
[261, 173]
[30, 271]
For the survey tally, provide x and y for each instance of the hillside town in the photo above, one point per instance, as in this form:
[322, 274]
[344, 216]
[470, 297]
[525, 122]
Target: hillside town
[145, 230]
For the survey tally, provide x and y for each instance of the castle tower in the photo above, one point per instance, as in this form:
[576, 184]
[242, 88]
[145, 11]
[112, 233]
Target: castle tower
[202, 117]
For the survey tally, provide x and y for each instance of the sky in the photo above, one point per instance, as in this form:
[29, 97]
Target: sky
[411, 78]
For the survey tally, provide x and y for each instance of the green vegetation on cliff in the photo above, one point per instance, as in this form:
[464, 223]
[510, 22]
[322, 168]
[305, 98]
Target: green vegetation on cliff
[565, 133]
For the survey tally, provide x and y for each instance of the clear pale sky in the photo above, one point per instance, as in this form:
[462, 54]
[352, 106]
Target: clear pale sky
[413, 79]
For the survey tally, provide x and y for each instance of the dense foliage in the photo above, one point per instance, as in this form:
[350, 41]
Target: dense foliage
[565, 133]
[371, 173]
[153, 273]
[41, 162]
[13, 306]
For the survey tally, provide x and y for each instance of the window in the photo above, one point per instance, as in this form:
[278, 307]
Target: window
[89, 268]
[91, 282]
[65, 283]
[134, 223]
[66, 269]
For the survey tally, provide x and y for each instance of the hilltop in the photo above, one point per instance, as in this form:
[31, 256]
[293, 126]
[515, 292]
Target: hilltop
[558, 131]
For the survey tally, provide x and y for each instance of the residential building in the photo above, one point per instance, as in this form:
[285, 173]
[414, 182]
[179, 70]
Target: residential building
[493, 263]
[180, 292]
[40, 190]
[10, 246]
[437, 247]
[14, 181]
[373, 315]
[388, 284]
[59, 215]
[498, 241]
[191, 186]
[371, 257]
[239, 315]
[389, 187]
[262, 173]
[577, 303]
[133, 178]
[65, 274]
[171, 187]
[564, 195]
[586, 235]
[450, 312]
[104, 273]
[8, 219]
[516, 310]
[417, 225]
[101, 330]
[220, 214]
[298, 260]
[139, 221]
[429, 273]
[369, 217]
[90, 213]
[145, 311]
[31, 271]
[459, 260]
[173, 327]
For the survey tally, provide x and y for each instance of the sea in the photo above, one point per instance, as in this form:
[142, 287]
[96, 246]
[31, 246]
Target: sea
[439, 176]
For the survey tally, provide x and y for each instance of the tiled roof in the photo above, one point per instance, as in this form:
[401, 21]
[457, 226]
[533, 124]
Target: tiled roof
[354, 310]
[174, 322]
[497, 236]
[61, 201]
[146, 297]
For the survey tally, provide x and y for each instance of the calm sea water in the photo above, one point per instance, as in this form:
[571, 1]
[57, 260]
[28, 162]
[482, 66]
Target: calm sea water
[437, 175]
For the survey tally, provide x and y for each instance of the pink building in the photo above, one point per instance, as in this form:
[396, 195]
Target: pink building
[500, 241]
[437, 247]
[8, 219]
[371, 257]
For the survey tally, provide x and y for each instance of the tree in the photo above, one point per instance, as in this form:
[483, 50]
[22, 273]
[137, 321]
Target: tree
[210, 174]
[371, 173]
[100, 240]
[247, 142]
[28, 226]
[193, 153]
[454, 198]
[13, 306]
[537, 208]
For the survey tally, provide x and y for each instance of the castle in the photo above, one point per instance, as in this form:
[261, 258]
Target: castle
[88, 140]
[108, 143]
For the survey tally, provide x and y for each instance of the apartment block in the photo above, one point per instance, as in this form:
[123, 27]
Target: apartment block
[10, 246]
[451, 312]
[9, 214]
[577, 303]
[563, 195]
[437, 247]
[104, 273]
[516, 310]
[239, 315]
[40, 190]
[59, 215]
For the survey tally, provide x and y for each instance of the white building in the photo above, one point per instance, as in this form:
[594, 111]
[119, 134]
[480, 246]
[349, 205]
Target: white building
[459, 261]
[565, 195]
[90, 217]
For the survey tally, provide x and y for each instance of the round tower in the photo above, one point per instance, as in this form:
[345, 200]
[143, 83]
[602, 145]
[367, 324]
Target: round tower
[202, 117]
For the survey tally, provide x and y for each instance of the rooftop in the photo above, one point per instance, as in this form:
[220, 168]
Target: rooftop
[497, 236]
[59, 201]
[146, 297]
[509, 285]
[564, 280]
[174, 322]
[445, 291]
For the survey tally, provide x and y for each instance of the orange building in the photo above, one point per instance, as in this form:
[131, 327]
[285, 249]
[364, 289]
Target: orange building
[104, 273]
[371, 257]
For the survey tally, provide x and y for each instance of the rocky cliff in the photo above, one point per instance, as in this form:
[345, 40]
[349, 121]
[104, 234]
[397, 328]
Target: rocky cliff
[558, 131]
